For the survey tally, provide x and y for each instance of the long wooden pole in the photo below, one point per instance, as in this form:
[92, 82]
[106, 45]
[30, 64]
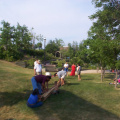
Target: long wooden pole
[48, 93]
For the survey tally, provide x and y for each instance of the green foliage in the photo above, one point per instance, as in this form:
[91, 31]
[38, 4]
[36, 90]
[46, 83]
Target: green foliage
[38, 45]
[59, 63]
[54, 45]
[31, 52]
[76, 60]
[1, 52]
[91, 66]
[48, 56]
[14, 40]
[104, 37]
[12, 55]
[54, 62]
[29, 63]
[118, 65]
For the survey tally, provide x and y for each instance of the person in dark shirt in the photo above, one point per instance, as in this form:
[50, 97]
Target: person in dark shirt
[40, 82]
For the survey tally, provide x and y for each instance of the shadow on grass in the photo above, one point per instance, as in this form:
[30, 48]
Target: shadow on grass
[67, 83]
[110, 76]
[64, 106]
[11, 98]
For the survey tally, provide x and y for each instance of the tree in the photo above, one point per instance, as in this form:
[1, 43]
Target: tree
[22, 38]
[53, 46]
[14, 40]
[38, 45]
[6, 34]
[104, 35]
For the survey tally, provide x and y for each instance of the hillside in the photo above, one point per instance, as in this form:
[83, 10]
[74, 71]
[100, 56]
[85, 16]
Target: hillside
[88, 99]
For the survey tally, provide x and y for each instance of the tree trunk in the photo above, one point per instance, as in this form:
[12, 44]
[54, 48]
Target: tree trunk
[97, 69]
[101, 74]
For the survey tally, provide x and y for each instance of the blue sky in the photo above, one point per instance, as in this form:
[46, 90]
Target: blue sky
[62, 19]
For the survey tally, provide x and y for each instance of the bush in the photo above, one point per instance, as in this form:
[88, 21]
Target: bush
[76, 60]
[39, 53]
[118, 64]
[29, 63]
[60, 63]
[1, 53]
[48, 56]
[12, 55]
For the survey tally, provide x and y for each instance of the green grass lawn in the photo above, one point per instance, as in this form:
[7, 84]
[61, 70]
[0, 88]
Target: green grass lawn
[88, 99]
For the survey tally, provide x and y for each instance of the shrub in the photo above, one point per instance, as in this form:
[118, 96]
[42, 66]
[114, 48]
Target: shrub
[29, 63]
[1, 52]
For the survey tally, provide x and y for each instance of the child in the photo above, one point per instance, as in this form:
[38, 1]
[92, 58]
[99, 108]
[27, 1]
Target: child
[34, 99]
[56, 91]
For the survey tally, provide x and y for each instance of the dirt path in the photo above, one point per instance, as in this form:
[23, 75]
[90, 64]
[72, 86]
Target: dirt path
[91, 71]
[88, 71]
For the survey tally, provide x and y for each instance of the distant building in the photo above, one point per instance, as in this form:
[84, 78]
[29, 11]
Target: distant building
[59, 53]
[64, 48]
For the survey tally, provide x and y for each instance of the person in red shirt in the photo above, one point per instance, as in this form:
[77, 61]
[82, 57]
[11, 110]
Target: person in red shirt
[40, 82]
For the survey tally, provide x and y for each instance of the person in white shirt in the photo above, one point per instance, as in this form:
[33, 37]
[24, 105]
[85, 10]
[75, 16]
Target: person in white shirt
[66, 68]
[35, 62]
[38, 68]
[61, 75]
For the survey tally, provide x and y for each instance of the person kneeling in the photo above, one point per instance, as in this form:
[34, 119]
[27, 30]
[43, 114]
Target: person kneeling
[34, 99]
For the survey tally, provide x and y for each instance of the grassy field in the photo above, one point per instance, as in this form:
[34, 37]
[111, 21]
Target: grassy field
[88, 99]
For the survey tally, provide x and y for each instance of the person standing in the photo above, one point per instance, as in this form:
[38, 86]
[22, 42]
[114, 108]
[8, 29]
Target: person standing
[61, 75]
[66, 68]
[36, 62]
[73, 68]
[38, 68]
[79, 72]
[40, 82]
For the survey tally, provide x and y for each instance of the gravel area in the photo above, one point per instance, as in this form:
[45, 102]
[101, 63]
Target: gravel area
[91, 71]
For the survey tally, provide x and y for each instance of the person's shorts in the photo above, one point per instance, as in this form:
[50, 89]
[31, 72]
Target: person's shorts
[39, 73]
[78, 72]
[66, 69]
[63, 77]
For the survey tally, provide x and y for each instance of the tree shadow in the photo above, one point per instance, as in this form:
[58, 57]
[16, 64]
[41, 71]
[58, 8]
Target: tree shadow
[63, 106]
[67, 106]
[14, 97]
[109, 76]
[67, 83]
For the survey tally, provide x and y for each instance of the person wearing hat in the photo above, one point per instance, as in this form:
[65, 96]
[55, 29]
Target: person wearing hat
[40, 82]
[38, 68]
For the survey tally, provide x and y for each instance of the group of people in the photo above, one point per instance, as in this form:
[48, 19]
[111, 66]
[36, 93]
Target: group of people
[40, 82]
[73, 69]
